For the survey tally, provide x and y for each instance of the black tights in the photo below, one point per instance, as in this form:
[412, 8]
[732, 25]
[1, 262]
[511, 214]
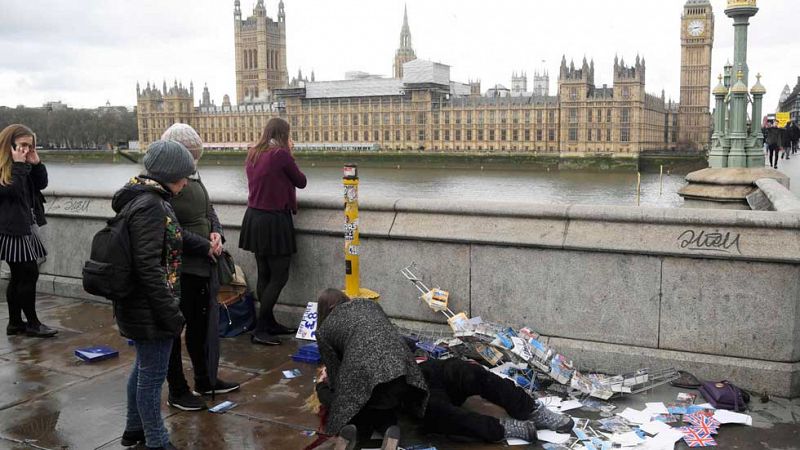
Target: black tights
[273, 273]
[21, 292]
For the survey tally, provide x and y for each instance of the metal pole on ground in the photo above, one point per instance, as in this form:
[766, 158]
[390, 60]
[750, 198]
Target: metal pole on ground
[661, 181]
[352, 285]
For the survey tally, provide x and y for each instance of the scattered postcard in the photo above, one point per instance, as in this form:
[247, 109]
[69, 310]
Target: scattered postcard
[294, 373]
[222, 407]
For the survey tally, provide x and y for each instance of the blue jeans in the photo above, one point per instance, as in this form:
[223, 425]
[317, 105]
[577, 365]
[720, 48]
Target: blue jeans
[144, 391]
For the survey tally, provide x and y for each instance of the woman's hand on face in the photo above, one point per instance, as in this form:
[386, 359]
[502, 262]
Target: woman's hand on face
[19, 154]
[32, 157]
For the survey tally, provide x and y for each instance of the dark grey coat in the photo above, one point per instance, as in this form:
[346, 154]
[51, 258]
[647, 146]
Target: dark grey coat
[362, 349]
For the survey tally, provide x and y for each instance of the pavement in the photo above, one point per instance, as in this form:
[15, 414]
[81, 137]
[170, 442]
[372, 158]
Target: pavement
[791, 168]
[52, 400]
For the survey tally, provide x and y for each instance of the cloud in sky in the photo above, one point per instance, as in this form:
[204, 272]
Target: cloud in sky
[85, 52]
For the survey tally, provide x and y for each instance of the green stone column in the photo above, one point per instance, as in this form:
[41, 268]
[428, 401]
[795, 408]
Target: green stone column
[755, 154]
[737, 157]
[718, 155]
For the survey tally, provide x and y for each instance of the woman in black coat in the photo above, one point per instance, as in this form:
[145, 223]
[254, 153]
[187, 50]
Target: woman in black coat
[370, 370]
[151, 316]
[22, 177]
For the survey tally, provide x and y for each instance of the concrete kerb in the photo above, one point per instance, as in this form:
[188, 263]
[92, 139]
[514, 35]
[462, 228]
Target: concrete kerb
[782, 199]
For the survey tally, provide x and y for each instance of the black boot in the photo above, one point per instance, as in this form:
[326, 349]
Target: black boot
[131, 438]
[14, 329]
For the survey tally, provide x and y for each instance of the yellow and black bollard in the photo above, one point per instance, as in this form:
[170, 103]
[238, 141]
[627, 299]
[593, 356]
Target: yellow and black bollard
[352, 286]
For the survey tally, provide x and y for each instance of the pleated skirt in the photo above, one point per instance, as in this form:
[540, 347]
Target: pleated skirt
[268, 233]
[21, 248]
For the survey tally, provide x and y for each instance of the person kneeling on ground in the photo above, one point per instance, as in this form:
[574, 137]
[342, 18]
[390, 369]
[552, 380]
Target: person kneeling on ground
[370, 370]
[447, 383]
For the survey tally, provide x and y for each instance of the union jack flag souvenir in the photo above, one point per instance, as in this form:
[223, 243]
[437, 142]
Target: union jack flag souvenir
[707, 424]
[695, 437]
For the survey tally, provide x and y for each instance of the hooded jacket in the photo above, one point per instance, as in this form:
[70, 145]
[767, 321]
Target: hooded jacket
[22, 196]
[156, 240]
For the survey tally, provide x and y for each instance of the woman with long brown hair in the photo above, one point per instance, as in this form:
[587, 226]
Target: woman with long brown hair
[268, 227]
[22, 177]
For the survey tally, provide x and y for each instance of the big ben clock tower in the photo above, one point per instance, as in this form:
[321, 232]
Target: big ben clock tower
[697, 41]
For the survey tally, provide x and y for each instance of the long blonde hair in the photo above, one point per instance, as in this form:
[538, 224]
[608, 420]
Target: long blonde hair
[7, 138]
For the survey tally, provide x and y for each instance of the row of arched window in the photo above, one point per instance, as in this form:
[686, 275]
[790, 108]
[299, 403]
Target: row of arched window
[251, 59]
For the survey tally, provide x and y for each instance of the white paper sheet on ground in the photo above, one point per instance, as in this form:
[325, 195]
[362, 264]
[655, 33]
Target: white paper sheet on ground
[551, 401]
[656, 408]
[552, 436]
[655, 427]
[515, 441]
[570, 404]
[629, 439]
[665, 440]
[634, 416]
[725, 416]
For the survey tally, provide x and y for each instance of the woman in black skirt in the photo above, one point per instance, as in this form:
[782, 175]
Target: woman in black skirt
[22, 177]
[267, 227]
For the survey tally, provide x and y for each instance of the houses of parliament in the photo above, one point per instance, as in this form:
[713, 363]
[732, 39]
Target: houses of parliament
[420, 108]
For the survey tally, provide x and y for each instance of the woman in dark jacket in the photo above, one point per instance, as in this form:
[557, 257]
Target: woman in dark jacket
[199, 287]
[267, 227]
[370, 370]
[151, 317]
[22, 177]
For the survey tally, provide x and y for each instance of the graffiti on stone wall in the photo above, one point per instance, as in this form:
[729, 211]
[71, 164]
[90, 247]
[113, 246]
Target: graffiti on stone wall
[701, 240]
[71, 206]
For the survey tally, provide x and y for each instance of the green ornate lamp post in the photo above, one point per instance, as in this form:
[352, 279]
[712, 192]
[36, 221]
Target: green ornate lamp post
[736, 157]
[734, 146]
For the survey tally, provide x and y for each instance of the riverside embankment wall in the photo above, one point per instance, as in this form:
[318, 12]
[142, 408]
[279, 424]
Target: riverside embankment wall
[714, 292]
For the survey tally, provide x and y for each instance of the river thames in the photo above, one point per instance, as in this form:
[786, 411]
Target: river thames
[561, 187]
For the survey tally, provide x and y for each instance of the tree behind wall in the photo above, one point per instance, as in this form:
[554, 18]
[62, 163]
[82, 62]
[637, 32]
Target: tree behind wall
[69, 128]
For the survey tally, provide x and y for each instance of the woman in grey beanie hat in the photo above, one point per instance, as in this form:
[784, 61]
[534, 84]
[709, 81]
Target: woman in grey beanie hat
[168, 162]
[199, 287]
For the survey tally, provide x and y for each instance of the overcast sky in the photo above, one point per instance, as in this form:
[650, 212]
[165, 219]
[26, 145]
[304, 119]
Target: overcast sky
[84, 52]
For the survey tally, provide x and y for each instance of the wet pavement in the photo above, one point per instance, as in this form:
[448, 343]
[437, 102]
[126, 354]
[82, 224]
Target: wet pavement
[51, 400]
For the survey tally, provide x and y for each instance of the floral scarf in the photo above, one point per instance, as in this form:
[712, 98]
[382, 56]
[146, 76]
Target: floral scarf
[173, 240]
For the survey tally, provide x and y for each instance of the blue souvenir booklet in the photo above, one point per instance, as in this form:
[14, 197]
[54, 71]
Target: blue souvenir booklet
[97, 353]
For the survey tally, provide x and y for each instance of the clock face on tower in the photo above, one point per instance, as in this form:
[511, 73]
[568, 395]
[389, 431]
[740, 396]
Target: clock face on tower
[696, 28]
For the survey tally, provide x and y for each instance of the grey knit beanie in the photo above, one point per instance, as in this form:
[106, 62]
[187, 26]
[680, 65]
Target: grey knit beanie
[168, 161]
[186, 135]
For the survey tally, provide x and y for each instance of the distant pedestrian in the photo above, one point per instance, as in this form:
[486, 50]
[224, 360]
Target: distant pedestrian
[786, 141]
[793, 134]
[22, 178]
[151, 317]
[773, 144]
[199, 286]
[268, 227]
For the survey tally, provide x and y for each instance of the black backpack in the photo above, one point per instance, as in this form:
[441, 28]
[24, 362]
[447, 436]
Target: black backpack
[108, 271]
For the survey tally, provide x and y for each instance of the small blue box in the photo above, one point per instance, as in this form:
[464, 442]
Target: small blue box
[97, 353]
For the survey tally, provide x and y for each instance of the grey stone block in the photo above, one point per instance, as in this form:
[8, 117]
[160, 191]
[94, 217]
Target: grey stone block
[439, 264]
[694, 241]
[776, 378]
[73, 288]
[731, 308]
[591, 296]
